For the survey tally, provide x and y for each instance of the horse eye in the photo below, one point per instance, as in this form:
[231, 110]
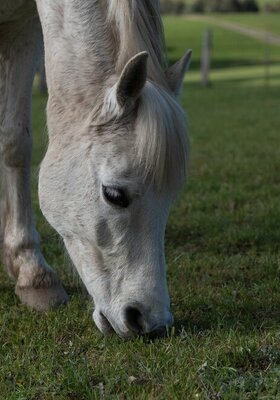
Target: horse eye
[116, 196]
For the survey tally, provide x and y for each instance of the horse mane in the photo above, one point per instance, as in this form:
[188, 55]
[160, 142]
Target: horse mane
[160, 127]
[139, 28]
[161, 140]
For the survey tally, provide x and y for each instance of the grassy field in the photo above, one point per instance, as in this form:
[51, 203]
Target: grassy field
[222, 247]
[261, 3]
[230, 49]
[266, 22]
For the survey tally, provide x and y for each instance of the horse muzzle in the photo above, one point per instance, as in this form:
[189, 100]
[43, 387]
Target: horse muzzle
[132, 322]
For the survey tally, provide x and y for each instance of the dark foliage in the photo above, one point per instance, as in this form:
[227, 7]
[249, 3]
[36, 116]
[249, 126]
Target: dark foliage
[173, 6]
[200, 6]
[272, 7]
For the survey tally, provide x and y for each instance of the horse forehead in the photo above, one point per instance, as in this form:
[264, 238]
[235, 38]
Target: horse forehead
[117, 160]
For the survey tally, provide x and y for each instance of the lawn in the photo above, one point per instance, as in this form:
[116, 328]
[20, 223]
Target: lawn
[266, 22]
[222, 248]
[261, 3]
[230, 49]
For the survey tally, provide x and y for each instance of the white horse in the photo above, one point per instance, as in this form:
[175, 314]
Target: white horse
[116, 156]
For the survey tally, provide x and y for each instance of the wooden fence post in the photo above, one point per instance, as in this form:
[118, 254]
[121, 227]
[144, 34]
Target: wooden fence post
[206, 58]
[267, 59]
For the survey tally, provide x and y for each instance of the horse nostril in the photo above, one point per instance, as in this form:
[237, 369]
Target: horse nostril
[134, 319]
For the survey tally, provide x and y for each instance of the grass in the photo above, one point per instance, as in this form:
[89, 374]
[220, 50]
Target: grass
[230, 49]
[222, 248]
[261, 3]
[245, 76]
[266, 22]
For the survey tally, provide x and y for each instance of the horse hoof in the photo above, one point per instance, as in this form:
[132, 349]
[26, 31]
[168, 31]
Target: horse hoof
[42, 298]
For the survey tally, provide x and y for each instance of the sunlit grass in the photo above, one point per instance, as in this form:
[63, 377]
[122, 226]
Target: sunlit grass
[259, 75]
[266, 22]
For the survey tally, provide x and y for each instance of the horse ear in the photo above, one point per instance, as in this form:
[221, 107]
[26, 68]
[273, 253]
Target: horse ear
[132, 79]
[175, 74]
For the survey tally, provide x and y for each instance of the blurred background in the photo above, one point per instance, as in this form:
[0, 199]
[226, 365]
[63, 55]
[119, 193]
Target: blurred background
[226, 34]
[200, 6]
[232, 99]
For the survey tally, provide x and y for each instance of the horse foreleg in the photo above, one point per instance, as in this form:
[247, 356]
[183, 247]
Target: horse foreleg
[37, 285]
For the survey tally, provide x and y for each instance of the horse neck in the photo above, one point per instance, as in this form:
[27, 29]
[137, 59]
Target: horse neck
[79, 52]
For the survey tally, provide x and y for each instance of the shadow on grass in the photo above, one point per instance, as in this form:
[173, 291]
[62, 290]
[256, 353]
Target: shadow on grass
[225, 235]
[225, 63]
[263, 79]
[243, 317]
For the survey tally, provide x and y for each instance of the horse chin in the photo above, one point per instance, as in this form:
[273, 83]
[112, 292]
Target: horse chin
[102, 323]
